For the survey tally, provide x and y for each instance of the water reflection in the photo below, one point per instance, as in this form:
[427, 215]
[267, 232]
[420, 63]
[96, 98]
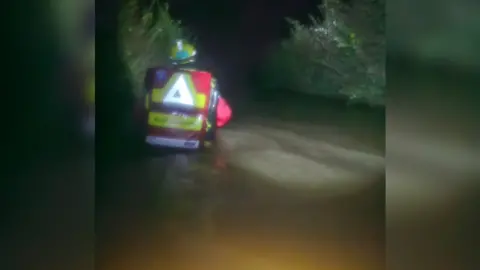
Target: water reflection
[214, 221]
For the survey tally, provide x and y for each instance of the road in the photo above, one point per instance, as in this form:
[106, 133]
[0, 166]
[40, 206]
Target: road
[289, 187]
[296, 188]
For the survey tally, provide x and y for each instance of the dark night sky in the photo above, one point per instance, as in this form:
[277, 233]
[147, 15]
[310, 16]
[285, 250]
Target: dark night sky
[235, 34]
[254, 21]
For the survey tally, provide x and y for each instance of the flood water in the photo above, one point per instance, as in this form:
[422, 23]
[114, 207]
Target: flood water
[287, 187]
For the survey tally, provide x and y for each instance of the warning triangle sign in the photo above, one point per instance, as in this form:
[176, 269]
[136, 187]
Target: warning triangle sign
[179, 93]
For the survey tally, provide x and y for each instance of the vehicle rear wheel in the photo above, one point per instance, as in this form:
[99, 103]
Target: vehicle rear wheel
[211, 133]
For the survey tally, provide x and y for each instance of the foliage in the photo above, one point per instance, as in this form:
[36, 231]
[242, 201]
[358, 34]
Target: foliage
[146, 36]
[445, 33]
[340, 56]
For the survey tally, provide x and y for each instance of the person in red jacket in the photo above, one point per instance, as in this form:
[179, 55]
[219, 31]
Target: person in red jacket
[184, 105]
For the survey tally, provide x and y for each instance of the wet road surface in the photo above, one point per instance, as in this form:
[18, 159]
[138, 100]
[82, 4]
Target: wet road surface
[284, 189]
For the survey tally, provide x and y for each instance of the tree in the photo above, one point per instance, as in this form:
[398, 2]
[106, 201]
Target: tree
[342, 55]
[146, 36]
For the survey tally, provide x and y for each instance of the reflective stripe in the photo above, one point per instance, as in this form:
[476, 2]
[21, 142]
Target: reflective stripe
[157, 95]
[178, 143]
[200, 100]
[175, 121]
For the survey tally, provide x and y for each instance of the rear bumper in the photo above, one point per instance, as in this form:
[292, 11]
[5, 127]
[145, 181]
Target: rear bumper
[160, 141]
[189, 137]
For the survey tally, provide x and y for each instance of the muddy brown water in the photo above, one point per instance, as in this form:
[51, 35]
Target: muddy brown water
[205, 211]
[201, 211]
